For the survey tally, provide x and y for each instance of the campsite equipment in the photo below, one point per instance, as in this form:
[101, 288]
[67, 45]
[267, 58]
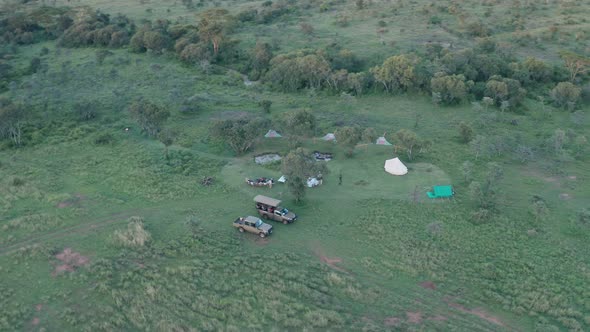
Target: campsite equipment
[261, 182]
[395, 166]
[253, 225]
[272, 134]
[441, 192]
[269, 208]
[282, 179]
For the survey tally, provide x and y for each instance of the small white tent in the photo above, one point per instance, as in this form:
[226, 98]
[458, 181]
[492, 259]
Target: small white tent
[329, 137]
[382, 141]
[395, 166]
[272, 134]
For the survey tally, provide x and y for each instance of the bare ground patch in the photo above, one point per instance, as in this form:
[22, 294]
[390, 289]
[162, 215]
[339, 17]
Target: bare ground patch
[414, 317]
[70, 261]
[392, 321]
[331, 262]
[565, 196]
[428, 285]
[479, 312]
[75, 200]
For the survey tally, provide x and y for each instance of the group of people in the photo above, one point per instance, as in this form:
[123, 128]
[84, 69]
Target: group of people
[261, 182]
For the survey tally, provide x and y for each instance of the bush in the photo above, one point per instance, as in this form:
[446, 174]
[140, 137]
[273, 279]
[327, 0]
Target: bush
[104, 139]
[134, 236]
[566, 95]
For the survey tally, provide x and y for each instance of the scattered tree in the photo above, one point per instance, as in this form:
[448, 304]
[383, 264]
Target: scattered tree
[301, 122]
[467, 170]
[450, 88]
[12, 121]
[410, 142]
[298, 166]
[348, 137]
[149, 116]
[369, 135]
[576, 64]
[166, 136]
[214, 25]
[466, 132]
[239, 133]
[566, 95]
[265, 104]
[396, 73]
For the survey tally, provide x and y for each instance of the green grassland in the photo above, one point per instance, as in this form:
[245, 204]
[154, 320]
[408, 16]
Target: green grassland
[371, 254]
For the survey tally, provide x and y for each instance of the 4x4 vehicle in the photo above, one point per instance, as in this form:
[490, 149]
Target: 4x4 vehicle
[253, 225]
[270, 208]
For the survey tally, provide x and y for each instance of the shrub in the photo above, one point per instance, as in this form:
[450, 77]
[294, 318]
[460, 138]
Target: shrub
[134, 236]
[104, 139]
[565, 94]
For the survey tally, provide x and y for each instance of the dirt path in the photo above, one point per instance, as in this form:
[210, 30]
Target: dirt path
[76, 229]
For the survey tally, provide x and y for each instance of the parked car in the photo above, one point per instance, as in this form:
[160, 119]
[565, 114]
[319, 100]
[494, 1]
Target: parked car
[253, 225]
[270, 208]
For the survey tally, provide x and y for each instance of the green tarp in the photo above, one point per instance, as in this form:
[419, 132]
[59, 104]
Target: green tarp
[441, 192]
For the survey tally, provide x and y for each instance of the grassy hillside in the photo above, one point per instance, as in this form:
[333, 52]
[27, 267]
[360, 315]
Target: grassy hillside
[373, 253]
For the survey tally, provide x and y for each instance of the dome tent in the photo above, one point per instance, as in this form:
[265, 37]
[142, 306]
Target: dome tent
[395, 166]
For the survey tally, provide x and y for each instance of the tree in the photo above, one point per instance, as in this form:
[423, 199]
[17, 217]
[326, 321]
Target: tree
[307, 28]
[467, 170]
[156, 41]
[358, 82]
[478, 145]
[348, 137]
[466, 132]
[298, 166]
[396, 73]
[101, 55]
[265, 104]
[214, 25]
[539, 208]
[565, 94]
[576, 64]
[409, 141]
[369, 135]
[502, 89]
[12, 121]
[239, 133]
[167, 137]
[149, 116]
[301, 122]
[451, 88]
[485, 193]
[260, 56]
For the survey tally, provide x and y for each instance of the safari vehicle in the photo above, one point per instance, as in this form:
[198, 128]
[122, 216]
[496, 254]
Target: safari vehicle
[253, 225]
[269, 208]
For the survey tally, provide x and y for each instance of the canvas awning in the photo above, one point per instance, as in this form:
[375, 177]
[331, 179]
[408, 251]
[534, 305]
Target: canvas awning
[395, 166]
[267, 200]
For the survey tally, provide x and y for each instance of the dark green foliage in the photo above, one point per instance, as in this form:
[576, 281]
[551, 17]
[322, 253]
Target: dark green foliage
[12, 121]
[104, 139]
[466, 132]
[298, 166]
[565, 95]
[240, 134]
[167, 137]
[301, 123]
[293, 71]
[348, 137]
[149, 116]
[86, 110]
[452, 89]
[97, 29]
[265, 105]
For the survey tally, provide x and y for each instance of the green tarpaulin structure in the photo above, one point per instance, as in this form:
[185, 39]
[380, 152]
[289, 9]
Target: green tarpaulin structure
[441, 192]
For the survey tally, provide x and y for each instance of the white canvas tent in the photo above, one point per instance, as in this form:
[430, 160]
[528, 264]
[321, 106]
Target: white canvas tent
[395, 166]
[382, 141]
[329, 137]
[271, 134]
